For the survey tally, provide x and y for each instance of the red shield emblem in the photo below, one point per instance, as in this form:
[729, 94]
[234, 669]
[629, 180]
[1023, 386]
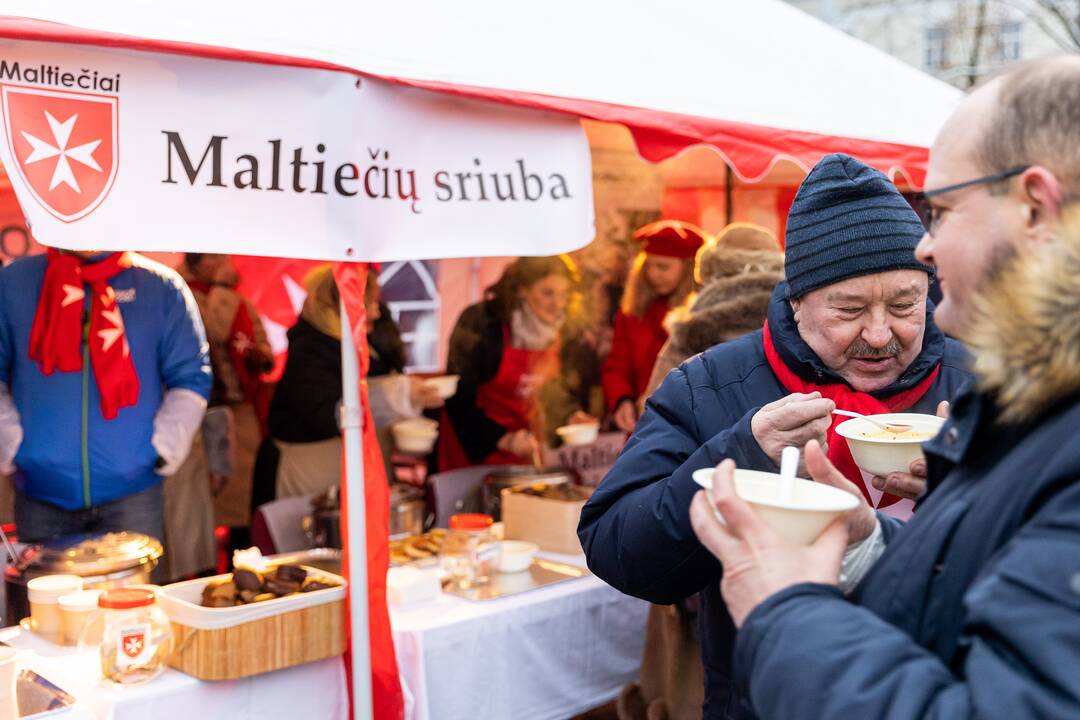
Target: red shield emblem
[133, 643]
[64, 145]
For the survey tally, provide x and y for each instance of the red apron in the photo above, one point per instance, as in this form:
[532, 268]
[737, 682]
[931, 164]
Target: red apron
[509, 399]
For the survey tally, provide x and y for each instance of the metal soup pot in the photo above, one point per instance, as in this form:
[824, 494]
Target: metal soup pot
[514, 475]
[407, 509]
[103, 561]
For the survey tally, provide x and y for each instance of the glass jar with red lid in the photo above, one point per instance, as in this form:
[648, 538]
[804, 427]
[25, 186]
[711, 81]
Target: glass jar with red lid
[132, 634]
[470, 553]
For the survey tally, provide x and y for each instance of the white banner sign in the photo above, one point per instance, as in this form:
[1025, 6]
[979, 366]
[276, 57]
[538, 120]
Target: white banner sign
[114, 149]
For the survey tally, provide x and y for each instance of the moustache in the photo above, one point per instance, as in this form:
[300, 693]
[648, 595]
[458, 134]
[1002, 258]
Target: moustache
[862, 349]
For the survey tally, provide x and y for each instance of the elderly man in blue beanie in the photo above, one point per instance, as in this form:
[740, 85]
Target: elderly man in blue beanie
[849, 328]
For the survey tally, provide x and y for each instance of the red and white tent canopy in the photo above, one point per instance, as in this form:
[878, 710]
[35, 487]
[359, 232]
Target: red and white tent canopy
[123, 128]
[757, 80]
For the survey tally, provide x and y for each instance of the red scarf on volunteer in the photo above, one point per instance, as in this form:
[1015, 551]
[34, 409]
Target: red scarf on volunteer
[847, 399]
[241, 343]
[57, 335]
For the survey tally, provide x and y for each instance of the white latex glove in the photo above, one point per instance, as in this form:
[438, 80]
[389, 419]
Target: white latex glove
[175, 425]
[11, 432]
[859, 558]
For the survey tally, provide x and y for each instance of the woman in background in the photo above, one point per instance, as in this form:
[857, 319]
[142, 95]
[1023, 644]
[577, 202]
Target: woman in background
[508, 351]
[304, 411]
[662, 278]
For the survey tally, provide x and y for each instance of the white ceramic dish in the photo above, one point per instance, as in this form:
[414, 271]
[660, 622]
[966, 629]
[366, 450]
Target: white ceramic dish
[516, 555]
[813, 505]
[182, 603]
[416, 436]
[445, 385]
[579, 433]
[880, 452]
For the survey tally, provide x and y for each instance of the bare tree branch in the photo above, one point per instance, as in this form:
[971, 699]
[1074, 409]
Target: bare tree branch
[1054, 8]
[976, 43]
[1033, 14]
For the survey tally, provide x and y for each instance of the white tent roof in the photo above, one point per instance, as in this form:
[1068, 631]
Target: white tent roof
[760, 63]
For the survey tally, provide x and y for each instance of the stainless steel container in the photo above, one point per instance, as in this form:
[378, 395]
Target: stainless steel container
[323, 526]
[103, 561]
[514, 475]
[406, 511]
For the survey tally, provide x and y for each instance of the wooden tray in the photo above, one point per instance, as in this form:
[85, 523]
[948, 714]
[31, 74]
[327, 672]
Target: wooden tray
[273, 643]
[237, 642]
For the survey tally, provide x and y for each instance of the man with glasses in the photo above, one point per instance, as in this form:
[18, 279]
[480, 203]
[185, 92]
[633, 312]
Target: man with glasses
[973, 608]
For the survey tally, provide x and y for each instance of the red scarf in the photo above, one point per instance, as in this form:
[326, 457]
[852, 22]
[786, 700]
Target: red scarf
[56, 338]
[241, 343]
[847, 399]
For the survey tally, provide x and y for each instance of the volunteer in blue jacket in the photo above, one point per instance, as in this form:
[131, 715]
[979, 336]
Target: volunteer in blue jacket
[849, 329]
[971, 610]
[104, 376]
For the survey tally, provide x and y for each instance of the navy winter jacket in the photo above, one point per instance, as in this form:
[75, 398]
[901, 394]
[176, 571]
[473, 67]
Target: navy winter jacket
[972, 612]
[636, 527]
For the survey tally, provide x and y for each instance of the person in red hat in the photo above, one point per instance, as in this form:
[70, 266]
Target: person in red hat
[662, 278]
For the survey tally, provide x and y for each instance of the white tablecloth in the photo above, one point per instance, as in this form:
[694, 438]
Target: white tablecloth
[312, 691]
[545, 654]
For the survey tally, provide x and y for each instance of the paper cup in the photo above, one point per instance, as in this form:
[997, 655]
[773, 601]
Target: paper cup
[75, 611]
[445, 385]
[44, 594]
[579, 434]
[803, 517]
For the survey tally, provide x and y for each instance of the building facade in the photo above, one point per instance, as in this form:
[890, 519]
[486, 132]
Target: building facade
[958, 41]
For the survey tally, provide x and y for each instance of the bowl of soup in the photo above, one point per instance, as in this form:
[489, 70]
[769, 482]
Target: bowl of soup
[879, 451]
[799, 518]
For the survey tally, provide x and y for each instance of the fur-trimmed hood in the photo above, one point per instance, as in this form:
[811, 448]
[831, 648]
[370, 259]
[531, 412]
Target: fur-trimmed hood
[1025, 331]
[733, 302]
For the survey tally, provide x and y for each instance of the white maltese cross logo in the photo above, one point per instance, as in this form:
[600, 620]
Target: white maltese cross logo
[59, 149]
[64, 147]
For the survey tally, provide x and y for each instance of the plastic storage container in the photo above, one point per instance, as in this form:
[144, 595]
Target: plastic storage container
[470, 553]
[132, 634]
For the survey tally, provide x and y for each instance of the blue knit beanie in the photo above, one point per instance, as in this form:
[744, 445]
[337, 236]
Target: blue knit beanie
[847, 220]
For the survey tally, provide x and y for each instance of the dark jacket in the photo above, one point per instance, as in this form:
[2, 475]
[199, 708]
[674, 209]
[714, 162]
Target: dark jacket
[306, 397]
[636, 527]
[385, 347]
[476, 350]
[974, 609]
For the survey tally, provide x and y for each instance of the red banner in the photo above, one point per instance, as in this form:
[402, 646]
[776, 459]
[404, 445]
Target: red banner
[387, 700]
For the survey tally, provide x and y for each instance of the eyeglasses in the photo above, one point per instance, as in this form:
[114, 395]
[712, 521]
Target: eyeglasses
[931, 216]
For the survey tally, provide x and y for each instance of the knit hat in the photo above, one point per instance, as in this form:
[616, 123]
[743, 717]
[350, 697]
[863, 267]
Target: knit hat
[847, 220]
[671, 238]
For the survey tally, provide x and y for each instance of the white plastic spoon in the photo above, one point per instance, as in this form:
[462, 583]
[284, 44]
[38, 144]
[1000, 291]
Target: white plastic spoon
[789, 466]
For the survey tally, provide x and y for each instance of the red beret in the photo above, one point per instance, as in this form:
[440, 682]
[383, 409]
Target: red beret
[672, 238]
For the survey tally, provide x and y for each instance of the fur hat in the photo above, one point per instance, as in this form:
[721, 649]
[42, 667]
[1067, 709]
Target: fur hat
[737, 286]
[738, 248]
